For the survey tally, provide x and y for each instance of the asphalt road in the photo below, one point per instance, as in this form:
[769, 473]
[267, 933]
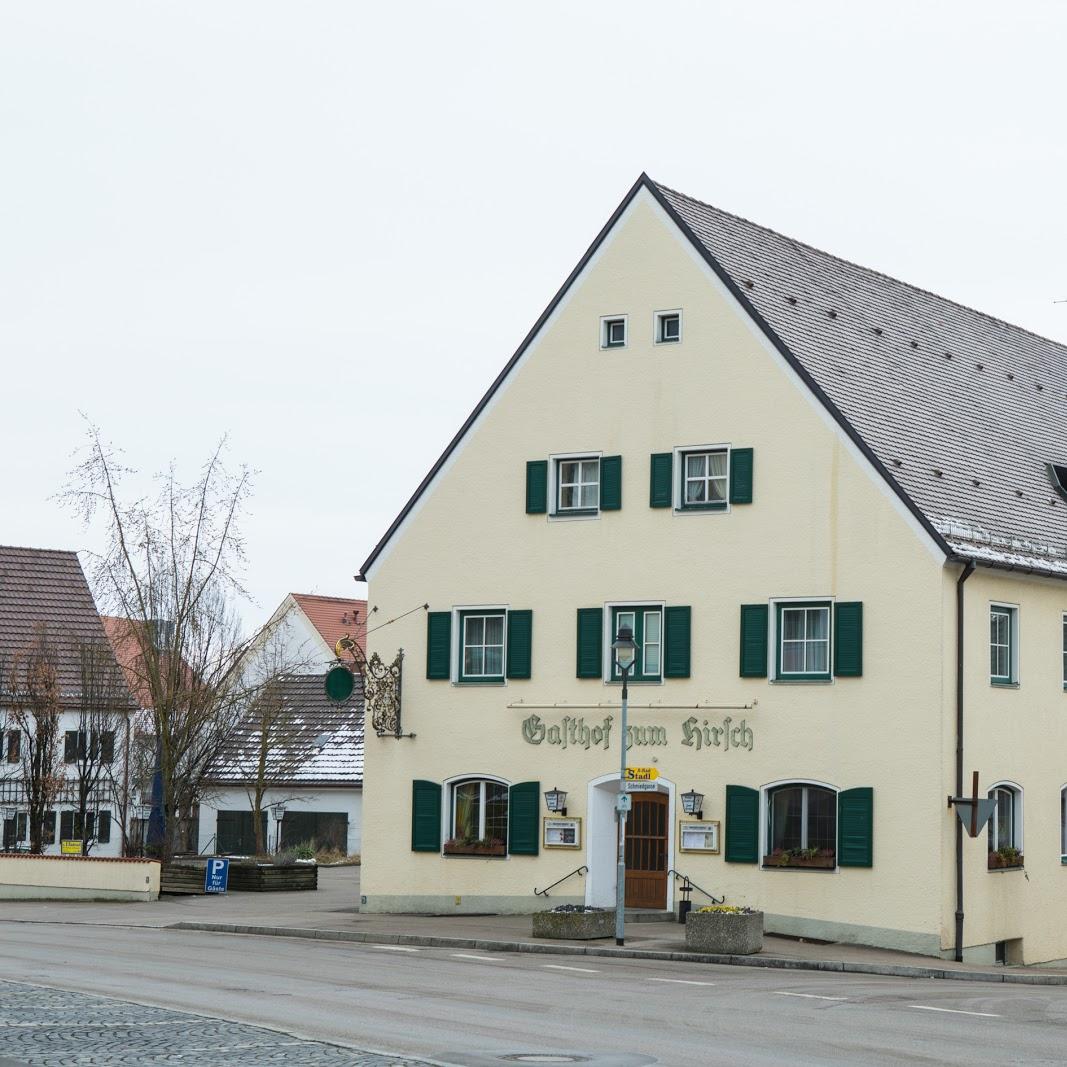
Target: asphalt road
[472, 1008]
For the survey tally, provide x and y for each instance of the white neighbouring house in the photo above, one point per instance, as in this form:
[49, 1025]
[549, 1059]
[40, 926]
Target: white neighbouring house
[315, 770]
[45, 602]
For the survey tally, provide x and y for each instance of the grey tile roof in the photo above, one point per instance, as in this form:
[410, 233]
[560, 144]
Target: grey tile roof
[297, 759]
[963, 410]
[45, 589]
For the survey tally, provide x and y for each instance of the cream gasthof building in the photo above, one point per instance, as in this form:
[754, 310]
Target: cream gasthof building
[819, 496]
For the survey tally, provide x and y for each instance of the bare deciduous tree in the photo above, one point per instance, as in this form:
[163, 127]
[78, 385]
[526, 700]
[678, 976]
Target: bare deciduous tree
[171, 566]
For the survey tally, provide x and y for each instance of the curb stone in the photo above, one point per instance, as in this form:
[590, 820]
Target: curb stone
[485, 945]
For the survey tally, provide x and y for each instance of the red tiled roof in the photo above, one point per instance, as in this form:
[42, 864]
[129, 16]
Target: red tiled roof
[45, 590]
[335, 616]
[124, 641]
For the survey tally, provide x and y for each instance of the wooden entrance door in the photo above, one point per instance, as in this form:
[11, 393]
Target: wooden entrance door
[646, 852]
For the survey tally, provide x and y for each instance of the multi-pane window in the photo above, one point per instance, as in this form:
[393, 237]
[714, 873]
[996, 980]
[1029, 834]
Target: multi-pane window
[14, 745]
[578, 484]
[1005, 824]
[804, 641]
[1002, 635]
[1063, 825]
[482, 651]
[647, 627]
[1065, 651]
[705, 479]
[668, 328]
[613, 332]
[480, 812]
[802, 817]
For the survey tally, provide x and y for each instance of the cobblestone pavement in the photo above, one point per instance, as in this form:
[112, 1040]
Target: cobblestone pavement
[56, 1028]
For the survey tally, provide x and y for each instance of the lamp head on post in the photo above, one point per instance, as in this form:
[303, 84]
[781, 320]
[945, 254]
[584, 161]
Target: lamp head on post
[278, 811]
[625, 649]
[556, 800]
[693, 803]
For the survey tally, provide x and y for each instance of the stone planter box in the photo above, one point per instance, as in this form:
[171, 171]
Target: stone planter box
[574, 925]
[723, 932]
[263, 879]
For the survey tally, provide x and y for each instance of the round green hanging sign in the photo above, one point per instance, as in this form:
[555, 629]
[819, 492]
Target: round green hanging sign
[339, 684]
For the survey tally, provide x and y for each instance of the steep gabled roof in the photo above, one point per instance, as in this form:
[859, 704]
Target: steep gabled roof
[334, 616]
[959, 412]
[297, 758]
[44, 590]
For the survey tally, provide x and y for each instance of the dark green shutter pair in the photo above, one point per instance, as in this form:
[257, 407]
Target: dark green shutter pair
[855, 826]
[523, 822]
[848, 640]
[519, 651]
[677, 642]
[610, 485]
[661, 478]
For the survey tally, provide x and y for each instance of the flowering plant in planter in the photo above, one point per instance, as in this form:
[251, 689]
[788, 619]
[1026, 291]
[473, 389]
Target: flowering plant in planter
[1004, 858]
[820, 858]
[725, 909]
[473, 846]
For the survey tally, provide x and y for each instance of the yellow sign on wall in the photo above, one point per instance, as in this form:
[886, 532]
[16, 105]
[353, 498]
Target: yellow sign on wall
[641, 774]
[70, 848]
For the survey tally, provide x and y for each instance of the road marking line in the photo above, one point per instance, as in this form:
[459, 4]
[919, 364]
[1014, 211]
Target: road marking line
[464, 956]
[560, 967]
[394, 948]
[680, 981]
[954, 1011]
[808, 996]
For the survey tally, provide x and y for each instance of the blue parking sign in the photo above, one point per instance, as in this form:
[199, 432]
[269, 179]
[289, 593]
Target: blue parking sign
[216, 875]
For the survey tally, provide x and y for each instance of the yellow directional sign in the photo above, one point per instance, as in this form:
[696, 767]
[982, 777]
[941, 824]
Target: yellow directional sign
[641, 774]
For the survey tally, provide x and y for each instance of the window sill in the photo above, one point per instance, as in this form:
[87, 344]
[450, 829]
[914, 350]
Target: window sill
[634, 681]
[479, 681]
[575, 513]
[701, 509]
[1003, 685]
[1007, 870]
[802, 681]
[606, 348]
[791, 867]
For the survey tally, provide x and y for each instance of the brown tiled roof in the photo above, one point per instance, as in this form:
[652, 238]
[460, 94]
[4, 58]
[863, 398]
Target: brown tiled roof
[128, 653]
[335, 616]
[45, 589]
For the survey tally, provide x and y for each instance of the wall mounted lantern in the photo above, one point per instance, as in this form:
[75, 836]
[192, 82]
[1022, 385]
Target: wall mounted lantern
[693, 803]
[556, 800]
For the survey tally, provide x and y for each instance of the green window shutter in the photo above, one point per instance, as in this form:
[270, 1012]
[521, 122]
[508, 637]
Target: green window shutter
[610, 483]
[425, 816]
[741, 476]
[590, 638]
[742, 824]
[438, 644]
[855, 827]
[520, 637]
[848, 640]
[524, 807]
[660, 480]
[677, 630]
[753, 640]
[537, 487]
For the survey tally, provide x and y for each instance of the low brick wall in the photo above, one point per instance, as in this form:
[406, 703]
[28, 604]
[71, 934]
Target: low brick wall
[25, 877]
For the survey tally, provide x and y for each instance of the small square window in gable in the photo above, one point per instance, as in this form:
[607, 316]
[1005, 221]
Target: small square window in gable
[668, 327]
[613, 332]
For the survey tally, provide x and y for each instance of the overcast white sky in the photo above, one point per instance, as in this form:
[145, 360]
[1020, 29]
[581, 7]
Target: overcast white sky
[323, 227]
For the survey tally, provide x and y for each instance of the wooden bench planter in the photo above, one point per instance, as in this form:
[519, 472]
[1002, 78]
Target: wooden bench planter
[274, 879]
[182, 879]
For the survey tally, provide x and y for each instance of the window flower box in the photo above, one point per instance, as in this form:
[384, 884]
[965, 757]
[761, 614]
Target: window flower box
[823, 859]
[489, 846]
[574, 923]
[725, 930]
[1004, 859]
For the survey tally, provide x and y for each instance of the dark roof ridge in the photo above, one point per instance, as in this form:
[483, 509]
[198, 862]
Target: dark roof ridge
[796, 242]
[50, 551]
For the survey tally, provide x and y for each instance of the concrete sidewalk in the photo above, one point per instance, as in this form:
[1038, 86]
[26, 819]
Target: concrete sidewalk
[332, 913]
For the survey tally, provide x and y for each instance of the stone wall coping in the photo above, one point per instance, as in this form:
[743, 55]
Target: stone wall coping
[75, 859]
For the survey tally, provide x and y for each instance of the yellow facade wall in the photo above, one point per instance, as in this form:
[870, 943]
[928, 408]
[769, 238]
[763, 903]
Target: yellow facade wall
[822, 525]
[77, 878]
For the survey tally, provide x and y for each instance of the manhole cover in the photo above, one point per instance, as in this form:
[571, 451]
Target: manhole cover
[544, 1057]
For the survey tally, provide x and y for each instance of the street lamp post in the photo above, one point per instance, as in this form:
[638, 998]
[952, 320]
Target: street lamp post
[625, 652]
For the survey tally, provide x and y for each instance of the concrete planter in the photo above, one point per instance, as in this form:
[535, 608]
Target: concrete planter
[574, 925]
[731, 934]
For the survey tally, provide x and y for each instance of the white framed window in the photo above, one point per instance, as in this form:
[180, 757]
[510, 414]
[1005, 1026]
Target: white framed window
[646, 622]
[1065, 650]
[1005, 829]
[1003, 644]
[481, 640]
[799, 824]
[613, 331]
[668, 328]
[577, 485]
[802, 647]
[701, 478]
[477, 817]
[1063, 825]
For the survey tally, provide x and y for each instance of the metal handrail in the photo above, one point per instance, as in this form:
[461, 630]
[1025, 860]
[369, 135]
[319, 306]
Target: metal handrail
[577, 870]
[688, 885]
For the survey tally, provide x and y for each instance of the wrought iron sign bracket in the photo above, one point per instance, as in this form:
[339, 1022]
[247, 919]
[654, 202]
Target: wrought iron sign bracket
[381, 686]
